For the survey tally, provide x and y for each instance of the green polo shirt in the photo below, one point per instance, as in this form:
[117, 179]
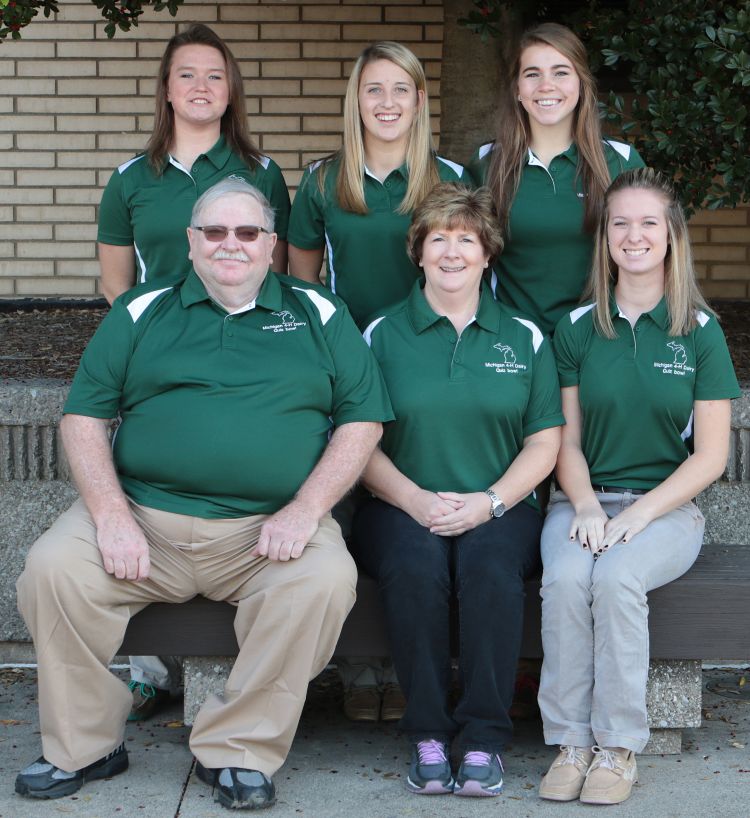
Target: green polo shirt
[225, 415]
[152, 212]
[463, 404]
[637, 390]
[544, 265]
[367, 263]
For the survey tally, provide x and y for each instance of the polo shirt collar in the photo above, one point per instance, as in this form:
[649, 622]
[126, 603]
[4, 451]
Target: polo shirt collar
[218, 155]
[570, 154]
[402, 171]
[192, 291]
[659, 314]
[422, 316]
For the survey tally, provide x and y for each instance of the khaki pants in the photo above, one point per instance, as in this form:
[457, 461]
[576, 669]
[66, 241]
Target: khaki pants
[595, 622]
[289, 615]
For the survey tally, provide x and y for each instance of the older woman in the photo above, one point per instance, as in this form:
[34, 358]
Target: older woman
[646, 380]
[477, 403]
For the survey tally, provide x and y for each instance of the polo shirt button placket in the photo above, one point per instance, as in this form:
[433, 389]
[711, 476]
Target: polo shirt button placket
[228, 331]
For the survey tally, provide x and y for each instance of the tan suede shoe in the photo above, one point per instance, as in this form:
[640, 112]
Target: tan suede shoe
[610, 777]
[394, 703]
[362, 703]
[565, 777]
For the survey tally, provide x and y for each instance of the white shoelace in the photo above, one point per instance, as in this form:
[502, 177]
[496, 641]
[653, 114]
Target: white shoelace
[573, 755]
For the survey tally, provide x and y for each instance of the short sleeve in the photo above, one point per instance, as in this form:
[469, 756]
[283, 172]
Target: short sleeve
[715, 378]
[97, 386]
[544, 409]
[307, 219]
[275, 190]
[359, 392]
[115, 225]
[567, 352]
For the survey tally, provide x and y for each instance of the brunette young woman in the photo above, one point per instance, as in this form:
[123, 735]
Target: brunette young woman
[548, 169]
[200, 136]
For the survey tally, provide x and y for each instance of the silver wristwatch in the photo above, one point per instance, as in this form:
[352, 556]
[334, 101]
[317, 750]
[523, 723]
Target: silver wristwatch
[498, 506]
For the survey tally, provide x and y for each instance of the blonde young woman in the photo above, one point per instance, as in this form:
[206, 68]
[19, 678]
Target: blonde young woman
[548, 169]
[356, 205]
[646, 386]
[200, 136]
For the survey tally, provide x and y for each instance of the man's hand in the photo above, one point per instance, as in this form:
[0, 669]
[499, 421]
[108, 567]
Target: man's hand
[285, 534]
[123, 547]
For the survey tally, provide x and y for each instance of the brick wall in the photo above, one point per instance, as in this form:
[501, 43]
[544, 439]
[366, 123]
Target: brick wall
[721, 246]
[74, 105]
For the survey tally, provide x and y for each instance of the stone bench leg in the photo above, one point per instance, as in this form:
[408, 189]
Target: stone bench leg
[673, 696]
[673, 701]
[203, 675]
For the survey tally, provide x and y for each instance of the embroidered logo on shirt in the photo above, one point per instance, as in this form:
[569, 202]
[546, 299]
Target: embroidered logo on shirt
[288, 322]
[508, 364]
[679, 364]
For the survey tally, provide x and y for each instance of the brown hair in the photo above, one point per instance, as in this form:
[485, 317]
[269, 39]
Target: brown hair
[514, 133]
[450, 205]
[233, 122]
[681, 290]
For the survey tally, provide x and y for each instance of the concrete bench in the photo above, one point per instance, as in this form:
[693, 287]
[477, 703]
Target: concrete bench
[705, 613]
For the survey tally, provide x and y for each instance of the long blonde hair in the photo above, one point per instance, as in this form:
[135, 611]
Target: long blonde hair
[233, 122]
[681, 290]
[514, 133]
[420, 154]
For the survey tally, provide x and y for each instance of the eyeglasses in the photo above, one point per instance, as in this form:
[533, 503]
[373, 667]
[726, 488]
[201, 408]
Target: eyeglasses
[245, 232]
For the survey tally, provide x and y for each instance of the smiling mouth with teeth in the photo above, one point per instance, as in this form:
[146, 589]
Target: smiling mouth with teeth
[387, 117]
[640, 252]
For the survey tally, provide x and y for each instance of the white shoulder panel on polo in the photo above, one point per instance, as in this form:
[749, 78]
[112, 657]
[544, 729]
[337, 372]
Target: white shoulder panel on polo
[322, 304]
[138, 306]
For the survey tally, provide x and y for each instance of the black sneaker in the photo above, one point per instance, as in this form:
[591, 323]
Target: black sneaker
[236, 788]
[43, 780]
[430, 771]
[479, 774]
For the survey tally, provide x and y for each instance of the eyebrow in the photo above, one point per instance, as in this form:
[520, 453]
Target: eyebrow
[538, 68]
[192, 68]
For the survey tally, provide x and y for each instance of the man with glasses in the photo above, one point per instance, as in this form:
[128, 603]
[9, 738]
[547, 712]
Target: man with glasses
[219, 482]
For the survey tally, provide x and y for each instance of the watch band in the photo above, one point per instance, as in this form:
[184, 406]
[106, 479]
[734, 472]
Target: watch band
[497, 504]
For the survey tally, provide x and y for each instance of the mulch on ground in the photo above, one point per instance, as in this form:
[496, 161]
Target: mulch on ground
[46, 342]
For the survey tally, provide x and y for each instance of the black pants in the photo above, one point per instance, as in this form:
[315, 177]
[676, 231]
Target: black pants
[418, 573]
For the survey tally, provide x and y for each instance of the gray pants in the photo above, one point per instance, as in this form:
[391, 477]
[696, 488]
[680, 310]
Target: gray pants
[595, 622]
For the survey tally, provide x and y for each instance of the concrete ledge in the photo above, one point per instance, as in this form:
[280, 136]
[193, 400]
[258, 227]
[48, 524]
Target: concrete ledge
[673, 696]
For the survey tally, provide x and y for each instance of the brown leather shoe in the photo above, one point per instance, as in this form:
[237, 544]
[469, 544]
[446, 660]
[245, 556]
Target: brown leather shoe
[362, 703]
[394, 703]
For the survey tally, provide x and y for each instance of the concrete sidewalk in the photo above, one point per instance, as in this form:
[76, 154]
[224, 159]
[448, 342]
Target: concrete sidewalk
[343, 770]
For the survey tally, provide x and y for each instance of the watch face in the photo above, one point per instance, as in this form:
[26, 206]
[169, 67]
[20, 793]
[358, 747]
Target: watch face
[498, 510]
